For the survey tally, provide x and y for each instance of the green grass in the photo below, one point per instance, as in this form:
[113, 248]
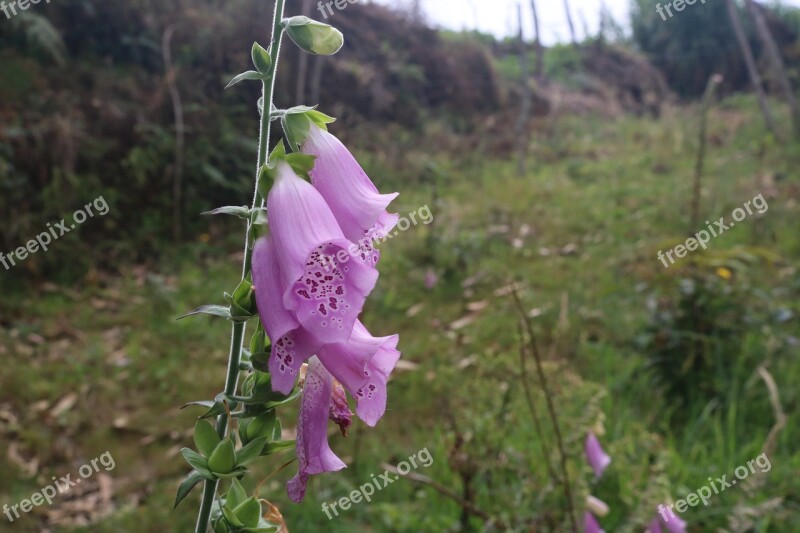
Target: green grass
[579, 232]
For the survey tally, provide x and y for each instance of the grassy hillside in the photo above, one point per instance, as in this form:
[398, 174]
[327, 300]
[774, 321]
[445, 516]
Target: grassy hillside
[103, 365]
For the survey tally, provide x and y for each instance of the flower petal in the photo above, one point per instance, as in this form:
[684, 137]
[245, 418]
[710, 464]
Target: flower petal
[314, 455]
[331, 292]
[351, 195]
[590, 524]
[291, 344]
[363, 365]
[597, 458]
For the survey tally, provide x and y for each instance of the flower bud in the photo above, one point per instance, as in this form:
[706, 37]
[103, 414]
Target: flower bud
[314, 37]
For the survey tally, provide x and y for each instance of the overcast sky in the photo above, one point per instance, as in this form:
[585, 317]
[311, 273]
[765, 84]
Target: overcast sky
[499, 16]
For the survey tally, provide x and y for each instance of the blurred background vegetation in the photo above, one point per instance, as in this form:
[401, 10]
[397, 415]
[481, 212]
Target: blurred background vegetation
[684, 373]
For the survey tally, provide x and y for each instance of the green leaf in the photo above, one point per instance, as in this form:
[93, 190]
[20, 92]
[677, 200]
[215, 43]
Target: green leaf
[243, 301]
[197, 461]
[277, 431]
[314, 37]
[261, 58]
[262, 426]
[223, 459]
[249, 512]
[251, 452]
[214, 310]
[277, 446]
[244, 76]
[231, 517]
[205, 438]
[187, 485]
[235, 210]
[236, 494]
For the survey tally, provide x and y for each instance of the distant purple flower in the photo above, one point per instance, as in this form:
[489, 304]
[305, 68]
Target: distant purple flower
[668, 518]
[355, 201]
[431, 279]
[590, 524]
[314, 455]
[597, 458]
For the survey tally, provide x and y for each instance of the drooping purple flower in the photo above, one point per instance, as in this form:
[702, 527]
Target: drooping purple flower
[363, 365]
[590, 524]
[597, 458]
[654, 526]
[355, 201]
[314, 455]
[325, 296]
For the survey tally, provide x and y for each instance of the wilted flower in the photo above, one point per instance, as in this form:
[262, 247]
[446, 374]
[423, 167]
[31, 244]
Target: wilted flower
[597, 458]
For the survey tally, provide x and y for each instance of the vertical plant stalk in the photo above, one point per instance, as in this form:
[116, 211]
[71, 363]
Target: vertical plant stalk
[550, 408]
[238, 328]
[537, 423]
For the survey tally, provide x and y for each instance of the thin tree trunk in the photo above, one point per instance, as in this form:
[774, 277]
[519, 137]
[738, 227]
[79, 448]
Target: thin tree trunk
[752, 68]
[569, 21]
[522, 119]
[776, 62]
[708, 97]
[539, 66]
[177, 108]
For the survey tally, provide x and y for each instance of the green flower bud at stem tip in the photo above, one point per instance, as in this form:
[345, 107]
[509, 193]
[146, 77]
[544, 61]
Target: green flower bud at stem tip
[314, 37]
[261, 58]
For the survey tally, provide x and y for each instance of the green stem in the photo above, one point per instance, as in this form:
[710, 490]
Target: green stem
[237, 335]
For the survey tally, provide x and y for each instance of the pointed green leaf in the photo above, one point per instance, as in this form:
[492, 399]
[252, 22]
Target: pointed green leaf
[262, 426]
[251, 452]
[234, 210]
[249, 512]
[236, 494]
[205, 438]
[277, 446]
[231, 517]
[187, 485]
[214, 310]
[196, 461]
[249, 75]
